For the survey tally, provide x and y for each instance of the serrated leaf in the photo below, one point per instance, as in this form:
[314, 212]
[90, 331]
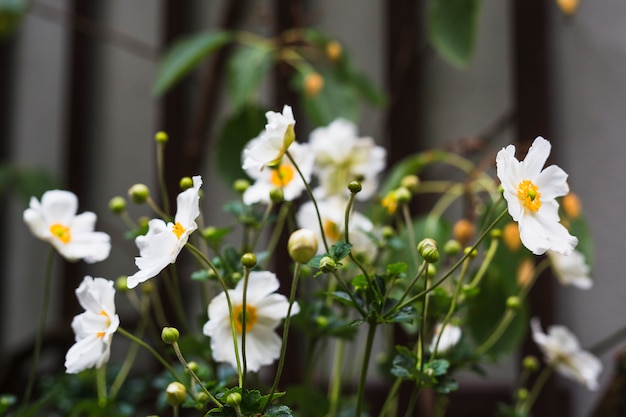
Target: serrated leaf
[235, 133]
[184, 55]
[246, 70]
[340, 250]
[452, 29]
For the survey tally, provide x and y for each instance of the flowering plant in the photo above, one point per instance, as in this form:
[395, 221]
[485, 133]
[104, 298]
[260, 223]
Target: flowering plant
[367, 277]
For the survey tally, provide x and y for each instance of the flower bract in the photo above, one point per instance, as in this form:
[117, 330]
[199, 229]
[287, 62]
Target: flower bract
[264, 311]
[94, 327]
[164, 241]
[54, 220]
[562, 351]
[531, 192]
[273, 141]
[571, 269]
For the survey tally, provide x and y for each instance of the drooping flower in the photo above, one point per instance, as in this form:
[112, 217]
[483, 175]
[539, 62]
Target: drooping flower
[55, 221]
[332, 212]
[445, 338]
[282, 176]
[164, 241]
[531, 192]
[273, 141]
[342, 156]
[94, 327]
[562, 351]
[571, 269]
[264, 311]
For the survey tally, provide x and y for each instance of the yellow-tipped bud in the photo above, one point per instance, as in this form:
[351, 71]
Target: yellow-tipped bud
[161, 137]
[175, 394]
[302, 245]
[185, 183]
[530, 363]
[121, 284]
[411, 183]
[464, 231]
[313, 84]
[334, 50]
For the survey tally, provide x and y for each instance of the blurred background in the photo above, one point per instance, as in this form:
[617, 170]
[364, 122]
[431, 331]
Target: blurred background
[78, 111]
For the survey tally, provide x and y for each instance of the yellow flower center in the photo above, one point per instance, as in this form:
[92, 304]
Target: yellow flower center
[104, 313]
[331, 230]
[282, 175]
[251, 317]
[390, 202]
[528, 195]
[61, 232]
[178, 230]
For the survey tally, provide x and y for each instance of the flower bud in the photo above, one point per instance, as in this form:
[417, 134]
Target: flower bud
[121, 284]
[313, 83]
[333, 50]
[451, 247]
[277, 195]
[463, 231]
[327, 264]
[248, 260]
[495, 233]
[388, 232]
[233, 399]
[513, 302]
[175, 394]
[525, 272]
[568, 7]
[472, 252]
[428, 250]
[355, 187]
[403, 195]
[571, 206]
[185, 183]
[510, 236]
[193, 366]
[139, 193]
[521, 394]
[241, 185]
[170, 335]
[147, 289]
[431, 271]
[530, 363]
[302, 245]
[117, 205]
[161, 137]
[201, 398]
[410, 182]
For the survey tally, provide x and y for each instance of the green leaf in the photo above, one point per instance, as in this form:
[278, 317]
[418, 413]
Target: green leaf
[278, 411]
[184, 55]
[340, 250]
[246, 70]
[11, 14]
[452, 29]
[236, 132]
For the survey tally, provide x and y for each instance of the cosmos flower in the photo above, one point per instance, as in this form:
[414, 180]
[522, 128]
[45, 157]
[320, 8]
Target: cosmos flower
[55, 221]
[531, 192]
[264, 311]
[571, 269]
[562, 351]
[273, 141]
[283, 176]
[342, 156]
[164, 241]
[94, 327]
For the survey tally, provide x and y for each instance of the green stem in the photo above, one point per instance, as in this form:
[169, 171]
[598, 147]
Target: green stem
[182, 360]
[101, 381]
[409, 228]
[42, 325]
[391, 398]
[347, 238]
[244, 361]
[537, 387]
[371, 332]
[334, 387]
[278, 229]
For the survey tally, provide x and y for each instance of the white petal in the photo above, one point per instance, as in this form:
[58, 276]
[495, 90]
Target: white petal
[536, 158]
[552, 183]
[87, 353]
[59, 206]
[262, 347]
[187, 206]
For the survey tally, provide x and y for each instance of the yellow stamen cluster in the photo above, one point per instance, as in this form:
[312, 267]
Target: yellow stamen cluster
[529, 195]
[251, 317]
[61, 232]
[178, 230]
[282, 175]
[331, 230]
[108, 323]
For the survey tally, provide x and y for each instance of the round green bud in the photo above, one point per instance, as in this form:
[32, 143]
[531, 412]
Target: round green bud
[193, 366]
[530, 363]
[169, 335]
[277, 195]
[428, 250]
[513, 302]
[175, 394]
[117, 205]
[496, 233]
[472, 253]
[327, 264]
[236, 276]
[302, 245]
[248, 260]
[451, 247]
[139, 193]
[522, 394]
[403, 195]
[500, 189]
[121, 283]
[241, 185]
[201, 398]
[185, 183]
[431, 270]
[355, 187]
[388, 232]
[161, 137]
[233, 399]
[410, 182]
[210, 232]
[322, 321]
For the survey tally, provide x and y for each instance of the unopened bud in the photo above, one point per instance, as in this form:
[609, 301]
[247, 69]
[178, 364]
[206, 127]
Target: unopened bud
[302, 245]
[410, 182]
[355, 187]
[403, 195]
[428, 250]
[185, 183]
[193, 366]
[139, 193]
[333, 50]
[522, 394]
[277, 195]
[513, 302]
[568, 7]
[571, 206]
[233, 399]
[117, 205]
[451, 247]
[388, 232]
[495, 233]
[313, 83]
[510, 236]
[121, 284]
[175, 394]
[431, 270]
[327, 264]
[170, 335]
[530, 363]
[470, 252]
[463, 231]
[241, 185]
[248, 260]
[161, 137]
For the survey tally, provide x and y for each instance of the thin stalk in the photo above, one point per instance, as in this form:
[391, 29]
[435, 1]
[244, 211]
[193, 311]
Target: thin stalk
[347, 238]
[278, 229]
[244, 361]
[334, 387]
[101, 382]
[165, 216]
[182, 360]
[409, 229]
[391, 399]
[42, 325]
[371, 332]
[537, 387]
[161, 173]
[255, 239]
[412, 402]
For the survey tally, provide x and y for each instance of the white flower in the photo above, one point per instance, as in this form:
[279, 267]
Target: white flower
[55, 221]
[284, 175]
[531, 196]
[341, 156]
[332, 212]
[264, 312]
[450, 336]
[561, 350]
[164, 241]
[93, 328]
[273, 141]
[571, 269]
